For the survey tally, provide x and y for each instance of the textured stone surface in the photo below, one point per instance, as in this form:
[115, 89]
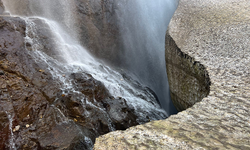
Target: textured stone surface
[99, 28]
[37, 111]
[189, 81]
[95, 22]
[216, 34]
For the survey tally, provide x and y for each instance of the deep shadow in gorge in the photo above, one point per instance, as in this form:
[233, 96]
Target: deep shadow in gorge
[143, 44]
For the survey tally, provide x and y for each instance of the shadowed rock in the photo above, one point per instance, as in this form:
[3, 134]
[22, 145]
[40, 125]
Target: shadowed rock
[37, 111]
[1, 7]
[48, 117]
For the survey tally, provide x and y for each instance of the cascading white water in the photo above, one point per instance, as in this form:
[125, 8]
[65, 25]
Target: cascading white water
[54, 15]
[11, 138]
[144, 50]
[143, 26]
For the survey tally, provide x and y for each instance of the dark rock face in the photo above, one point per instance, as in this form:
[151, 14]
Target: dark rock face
[35, 113]
[96, 22]
[1, 7]
[99, 29]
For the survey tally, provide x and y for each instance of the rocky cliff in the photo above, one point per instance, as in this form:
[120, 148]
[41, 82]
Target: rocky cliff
[96, 24]
[99, 28]
[36, 110]
[189, 81]
[209, 37]
[1, 7]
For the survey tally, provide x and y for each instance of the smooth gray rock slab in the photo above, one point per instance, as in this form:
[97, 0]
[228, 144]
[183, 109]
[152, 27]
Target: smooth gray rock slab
[217, 34]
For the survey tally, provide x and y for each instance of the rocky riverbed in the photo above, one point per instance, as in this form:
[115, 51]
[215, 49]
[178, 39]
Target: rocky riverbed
[214, 34]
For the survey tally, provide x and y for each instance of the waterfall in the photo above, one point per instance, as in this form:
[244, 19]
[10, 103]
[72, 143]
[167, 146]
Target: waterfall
[143, 26]
[71, 55]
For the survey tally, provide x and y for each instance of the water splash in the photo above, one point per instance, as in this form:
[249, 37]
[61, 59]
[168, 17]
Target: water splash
[118, 86]
[66, 55]
[69, 56]
[12, 145]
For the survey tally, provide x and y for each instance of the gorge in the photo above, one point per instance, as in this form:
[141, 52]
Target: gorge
[207, 52]
[72, 70]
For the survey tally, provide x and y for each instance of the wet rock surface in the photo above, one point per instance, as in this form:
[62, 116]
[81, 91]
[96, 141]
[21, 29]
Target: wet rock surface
[99, 28]
[95, 22]
[1, 7]
[215, 34]
[36, 112]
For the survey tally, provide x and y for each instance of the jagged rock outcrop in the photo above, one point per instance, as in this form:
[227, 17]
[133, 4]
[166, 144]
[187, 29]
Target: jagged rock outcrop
[36, 111]
[95, 22]
[215, 34]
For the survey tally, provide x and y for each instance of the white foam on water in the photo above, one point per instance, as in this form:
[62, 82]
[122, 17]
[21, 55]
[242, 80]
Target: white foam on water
[11, 138]
[79, 60]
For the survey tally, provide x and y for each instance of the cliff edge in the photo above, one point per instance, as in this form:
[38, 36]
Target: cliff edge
[216, 35]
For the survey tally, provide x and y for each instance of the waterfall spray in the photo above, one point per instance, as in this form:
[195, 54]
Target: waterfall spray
[52, 38]
[75, 57]
[143, 25]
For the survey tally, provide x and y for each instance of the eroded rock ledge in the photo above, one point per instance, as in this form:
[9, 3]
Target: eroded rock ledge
[216, 34]
[189, 81]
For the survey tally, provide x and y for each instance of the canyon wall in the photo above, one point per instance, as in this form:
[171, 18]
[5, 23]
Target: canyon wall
[99, 28]
[188, 79]
[1, 7]
[95, 23]
[45, 104]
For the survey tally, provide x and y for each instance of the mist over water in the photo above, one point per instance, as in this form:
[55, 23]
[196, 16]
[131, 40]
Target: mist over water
[60, 11]
[143, 26]
[53, 35]
[57, 17]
